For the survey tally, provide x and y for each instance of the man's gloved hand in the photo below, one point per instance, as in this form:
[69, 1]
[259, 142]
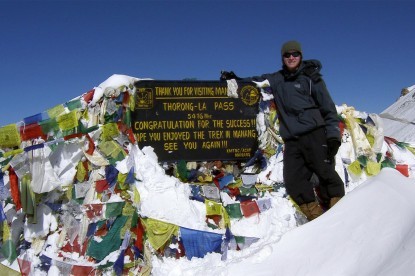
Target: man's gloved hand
[333, 146]
[228, 75]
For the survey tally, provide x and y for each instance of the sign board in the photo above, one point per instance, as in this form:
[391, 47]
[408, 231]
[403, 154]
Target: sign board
[196, 120]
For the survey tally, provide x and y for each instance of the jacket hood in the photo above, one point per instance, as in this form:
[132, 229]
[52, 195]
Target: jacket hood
[312, 63]
[311, 68]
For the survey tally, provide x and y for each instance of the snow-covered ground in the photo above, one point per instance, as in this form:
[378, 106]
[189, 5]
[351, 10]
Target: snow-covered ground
[371, 231]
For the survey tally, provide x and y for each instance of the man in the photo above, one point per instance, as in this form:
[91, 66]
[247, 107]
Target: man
[309, 126]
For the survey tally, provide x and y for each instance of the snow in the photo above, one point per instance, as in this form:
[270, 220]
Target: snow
[371, 231]
[399, 118]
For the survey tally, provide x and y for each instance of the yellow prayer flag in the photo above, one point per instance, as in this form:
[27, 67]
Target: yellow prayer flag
[109, 131]
[137, 198]
[355, 168]
[128, 209]
[373, 168]
[80, 172]
[111, 149]
[6, 231]
[68, 121]
[9, 136]
[411, 149]
[213, 208]
[159, 232]
[226, 218]
[56, 111]
[370, 139]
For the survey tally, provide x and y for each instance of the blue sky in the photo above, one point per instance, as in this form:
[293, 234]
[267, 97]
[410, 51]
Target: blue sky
[54, 51]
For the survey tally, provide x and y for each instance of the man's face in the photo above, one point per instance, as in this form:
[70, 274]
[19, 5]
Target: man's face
[292, 60]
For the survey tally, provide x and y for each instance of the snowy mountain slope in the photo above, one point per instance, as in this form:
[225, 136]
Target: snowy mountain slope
[399, 118]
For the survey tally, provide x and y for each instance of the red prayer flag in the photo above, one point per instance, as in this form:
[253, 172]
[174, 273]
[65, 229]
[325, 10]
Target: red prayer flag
[139, 231]
[79, 270]
[24, 266]
[403, 169]
[93, 210]
[89, 95]
[14, 188]
[101, 185]
[249, 208]
[32, 131]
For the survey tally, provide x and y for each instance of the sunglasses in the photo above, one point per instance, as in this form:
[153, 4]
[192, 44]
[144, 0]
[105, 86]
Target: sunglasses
[294, 54]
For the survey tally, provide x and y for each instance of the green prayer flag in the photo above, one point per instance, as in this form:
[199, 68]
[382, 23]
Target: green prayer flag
[387, 163]
[362, 160]
[234, 210]
[110, 242]
[49, 125]
[114, 209]
[9, 251]
[74, 104]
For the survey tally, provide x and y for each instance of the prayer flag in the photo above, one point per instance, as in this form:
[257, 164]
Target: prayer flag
[249, 208]
[9, 136]
[68, 121]
[159, 232]
[74, 104]
[56, 111]
[198, 243]
[8, 249]
[114, 209]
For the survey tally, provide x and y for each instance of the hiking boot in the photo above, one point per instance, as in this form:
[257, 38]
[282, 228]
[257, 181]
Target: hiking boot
[311, 210]
[334, 200]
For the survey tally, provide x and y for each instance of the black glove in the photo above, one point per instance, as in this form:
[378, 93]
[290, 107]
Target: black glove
[333, 146]
[225, 75]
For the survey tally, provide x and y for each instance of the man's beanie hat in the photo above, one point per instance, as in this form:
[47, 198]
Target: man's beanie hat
[290, 46]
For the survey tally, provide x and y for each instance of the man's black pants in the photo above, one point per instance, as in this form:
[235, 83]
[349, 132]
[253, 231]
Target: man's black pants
[305, 156]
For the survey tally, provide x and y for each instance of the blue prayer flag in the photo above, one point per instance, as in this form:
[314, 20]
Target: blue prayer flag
[2, 214]
[198, 243]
